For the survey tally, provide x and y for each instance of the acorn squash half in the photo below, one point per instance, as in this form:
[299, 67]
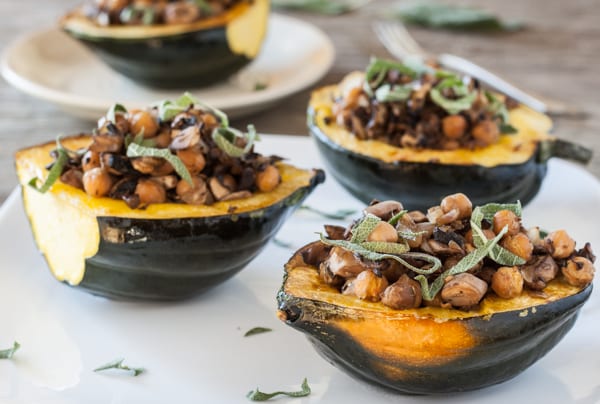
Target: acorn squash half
[164, 252]
[430, 349]
[511, 169]
[177, 55]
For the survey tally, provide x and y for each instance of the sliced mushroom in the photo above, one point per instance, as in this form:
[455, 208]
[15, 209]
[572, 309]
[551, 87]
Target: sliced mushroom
[73, 177]
[384, 210]
[107, 142]
[237, 195]
[539, 272]
[335, 232]
[196, 194]
[167, 181]
[116, 164]
[188, 137]
[464, 290]
[218, 189]
[366, 286]
[344, 263]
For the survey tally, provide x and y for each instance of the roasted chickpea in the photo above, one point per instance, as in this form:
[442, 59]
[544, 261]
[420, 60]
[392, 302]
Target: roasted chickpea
[150, 191]
[579, 271]
[486, 133]
[163, 139]
[384, 232]
[97, 182]
[181, 13]
[459, 202]
[90, 160]
[142, 122]
[507, 282]
[454, 126]
[519, 244]
[561, 245]
[268, 178]
[193, 159]
[506, 218]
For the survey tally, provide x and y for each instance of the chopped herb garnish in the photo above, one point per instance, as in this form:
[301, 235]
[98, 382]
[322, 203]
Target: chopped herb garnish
[328, 7]
[225, 140]
[257, 395]
[136, 150]
[392, 93]
[394, 219]
[378, 69]
[55, 172]
[259, 86]
[8, 353]
[452, 106]
[257, 330]
[362, 229]
[118, 364]
[340, 214]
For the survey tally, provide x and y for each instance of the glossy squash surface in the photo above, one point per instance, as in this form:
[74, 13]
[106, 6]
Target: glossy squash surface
[167, 251]
[178, 55]
[512, 169]
[430, 349]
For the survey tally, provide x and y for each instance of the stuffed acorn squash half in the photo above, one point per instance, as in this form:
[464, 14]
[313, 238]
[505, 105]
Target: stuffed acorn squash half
[175, 44]
[164, 214]
[455, 299]
[415, 133]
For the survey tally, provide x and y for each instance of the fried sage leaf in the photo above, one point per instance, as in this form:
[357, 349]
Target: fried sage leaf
[327, 7]
[55, 172]
[9, 353]
[257, 395]
[118, 364]
[136, 150]
[257, 330]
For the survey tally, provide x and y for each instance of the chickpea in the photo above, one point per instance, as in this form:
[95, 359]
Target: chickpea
[460, 202]
[142, 122]
[519, 244]
[90, 160]
[560, 244]
[97, 182]
[366, 286]
[506, 218]
[454, 126]
[268, 178]
[150, 191]
[384, 232]
[579, 271]
[507, 282]
[112, 5]
[486, 133]
[163, 139]
[193, 159]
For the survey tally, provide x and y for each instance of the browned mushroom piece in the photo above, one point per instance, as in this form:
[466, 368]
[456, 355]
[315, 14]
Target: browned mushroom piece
[578, 271]
[196, 194]
[507, 282]
[237, 195]
[586, 252]
[539, 272]
[366, 286]
[112, 5]
[329, 278]
[181, 13]
[73, 177]
[560, 244]
[167, 181]
[315, 253]
[334, 232]
[188, 137]
[218, 189]
[107, 142]
[116, 164]
[344, 263]
[464, 290]
[119, 126]
[152, 165]
[417, 216]
[384, 210]
[403, 294]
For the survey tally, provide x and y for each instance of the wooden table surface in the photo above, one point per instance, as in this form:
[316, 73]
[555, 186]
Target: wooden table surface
[558, 55]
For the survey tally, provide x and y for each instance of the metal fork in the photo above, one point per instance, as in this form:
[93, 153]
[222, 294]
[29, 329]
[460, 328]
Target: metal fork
[396, 39]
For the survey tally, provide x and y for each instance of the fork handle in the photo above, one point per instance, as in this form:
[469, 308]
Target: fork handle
[551, 107]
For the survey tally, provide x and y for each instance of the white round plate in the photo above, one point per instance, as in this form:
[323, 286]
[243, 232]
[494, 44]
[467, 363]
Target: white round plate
[50, 65]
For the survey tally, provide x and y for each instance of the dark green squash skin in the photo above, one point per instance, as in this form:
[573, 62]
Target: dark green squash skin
[173, 259]
[421, 185]
[508, 344]
[192, 59]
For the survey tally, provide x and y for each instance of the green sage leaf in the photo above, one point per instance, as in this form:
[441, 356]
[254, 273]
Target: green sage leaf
[225, 137]
[395, 93]
[452, 106]
[188, 99]
[56, 170]
[327, 7]
[136, 150]
[444, 16]
[118, 364]
[9, 353]
[257, 395]
[375, 256]
[490, 209]
[378, 69]
[257, 330]
[466, 263]
[111, 115]
[394, 219]
[362, 229]
[410, 235]
[384, 247]
[167, 110]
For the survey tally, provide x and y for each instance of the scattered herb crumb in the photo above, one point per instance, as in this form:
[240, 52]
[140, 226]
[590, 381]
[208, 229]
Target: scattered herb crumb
[8, 353]
[340, 214]
[257, 330]
[118, 364]
[257, 395]
[259, 86]
[282, 243]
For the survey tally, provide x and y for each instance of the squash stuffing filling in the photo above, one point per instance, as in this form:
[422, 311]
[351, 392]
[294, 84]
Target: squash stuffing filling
[182, 151]
[151, 12]
[416, 105]
[452, 256]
